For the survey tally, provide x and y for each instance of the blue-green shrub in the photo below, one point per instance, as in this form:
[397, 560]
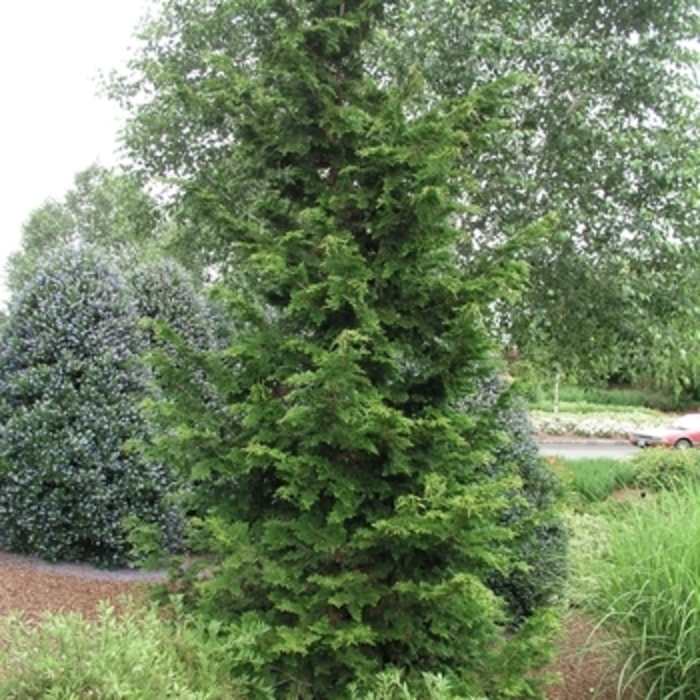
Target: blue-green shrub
[165, 292]
[71, 380]
[539, 555]
[180, 324]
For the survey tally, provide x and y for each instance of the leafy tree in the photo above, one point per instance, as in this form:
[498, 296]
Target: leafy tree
[71, 382]
[603, 140]
[599, 142]
[48, 228]
[104, 209]
[348, 502]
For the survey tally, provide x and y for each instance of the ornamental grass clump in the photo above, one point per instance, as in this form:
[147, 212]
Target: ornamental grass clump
[595, 479]
[71, 380]
[648, 594]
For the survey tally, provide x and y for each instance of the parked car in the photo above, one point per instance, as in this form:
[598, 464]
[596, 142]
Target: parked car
[682, 433]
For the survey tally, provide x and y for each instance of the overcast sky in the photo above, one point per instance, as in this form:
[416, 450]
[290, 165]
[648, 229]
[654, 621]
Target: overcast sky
[52, 123]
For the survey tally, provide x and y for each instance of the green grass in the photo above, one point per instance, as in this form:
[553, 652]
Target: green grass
[594, 480]
[591, 400]
[648, 593]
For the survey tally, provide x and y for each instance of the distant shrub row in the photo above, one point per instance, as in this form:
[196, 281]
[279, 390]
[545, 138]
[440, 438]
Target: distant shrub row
[578, 398]
[650, 470]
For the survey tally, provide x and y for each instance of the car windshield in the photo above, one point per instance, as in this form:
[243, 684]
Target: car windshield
[686, 423]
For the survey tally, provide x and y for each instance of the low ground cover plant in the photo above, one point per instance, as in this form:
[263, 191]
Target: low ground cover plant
[137, 656]
[142, 656]
[588, 538]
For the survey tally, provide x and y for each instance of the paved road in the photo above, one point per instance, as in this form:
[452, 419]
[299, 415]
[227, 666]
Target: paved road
[588, 450]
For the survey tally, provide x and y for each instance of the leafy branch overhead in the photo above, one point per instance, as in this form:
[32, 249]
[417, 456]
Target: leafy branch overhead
[585, 170]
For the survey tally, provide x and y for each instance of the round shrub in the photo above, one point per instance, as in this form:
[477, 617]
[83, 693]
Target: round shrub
[180, 326]
[658, 469]
[539, 553]
[71, 379]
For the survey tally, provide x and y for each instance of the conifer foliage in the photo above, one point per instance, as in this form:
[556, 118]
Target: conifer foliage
[71, 379]
[346, 496]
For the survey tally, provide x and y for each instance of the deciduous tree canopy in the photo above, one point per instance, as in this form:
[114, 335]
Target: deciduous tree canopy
[601, 137]
[596, 146]
[104, 209]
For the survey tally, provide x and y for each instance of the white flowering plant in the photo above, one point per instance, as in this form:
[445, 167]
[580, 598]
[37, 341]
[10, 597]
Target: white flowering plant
[72, 381]
[597, 425]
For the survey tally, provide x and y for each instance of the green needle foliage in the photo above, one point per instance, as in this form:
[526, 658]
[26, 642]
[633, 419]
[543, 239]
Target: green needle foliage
[346, 499]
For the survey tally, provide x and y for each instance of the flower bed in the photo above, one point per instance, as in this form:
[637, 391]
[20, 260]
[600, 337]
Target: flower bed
[601, 425]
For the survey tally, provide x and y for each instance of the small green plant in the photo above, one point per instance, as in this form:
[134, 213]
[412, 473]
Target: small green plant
[595, 479]
[648, 594]
[391, 685]
[661, 469]
[588, 544]
[139, 656]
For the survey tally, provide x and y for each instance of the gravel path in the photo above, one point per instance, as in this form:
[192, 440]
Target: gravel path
[84, 571]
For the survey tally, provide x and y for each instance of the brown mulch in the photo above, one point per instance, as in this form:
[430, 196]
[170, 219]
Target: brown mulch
[35, 588]
[585, 664]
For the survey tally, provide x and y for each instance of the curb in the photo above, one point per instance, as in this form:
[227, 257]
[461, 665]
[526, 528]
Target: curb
[557, 440]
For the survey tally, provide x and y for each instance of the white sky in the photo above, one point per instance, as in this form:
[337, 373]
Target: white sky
[52, 123]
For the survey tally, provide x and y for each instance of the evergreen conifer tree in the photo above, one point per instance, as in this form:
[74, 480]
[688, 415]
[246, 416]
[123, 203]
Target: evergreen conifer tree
[348, 500]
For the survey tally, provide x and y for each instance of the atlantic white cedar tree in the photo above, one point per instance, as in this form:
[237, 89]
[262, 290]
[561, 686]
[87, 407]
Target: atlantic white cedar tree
[348, 509]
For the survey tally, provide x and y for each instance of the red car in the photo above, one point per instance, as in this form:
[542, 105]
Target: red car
[682, 433]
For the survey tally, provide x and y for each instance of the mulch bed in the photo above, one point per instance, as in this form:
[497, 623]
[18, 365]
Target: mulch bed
[34, 588]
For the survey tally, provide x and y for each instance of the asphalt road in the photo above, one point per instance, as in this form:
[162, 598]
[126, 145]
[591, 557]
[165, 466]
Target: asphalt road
[588, 450]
